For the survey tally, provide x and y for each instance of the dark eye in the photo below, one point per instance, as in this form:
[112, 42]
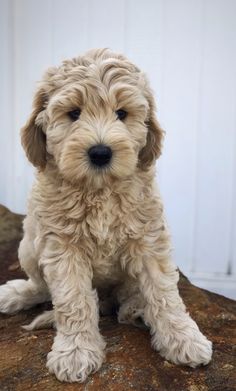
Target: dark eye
[74, 114]
[121, 114]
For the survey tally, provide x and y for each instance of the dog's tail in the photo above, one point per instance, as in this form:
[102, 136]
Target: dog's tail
[45, 320]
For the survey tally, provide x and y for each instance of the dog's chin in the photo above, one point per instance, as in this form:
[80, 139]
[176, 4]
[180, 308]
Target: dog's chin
[92, 177]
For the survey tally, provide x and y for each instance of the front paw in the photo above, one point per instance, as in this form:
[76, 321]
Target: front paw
[187, 346]
[74, 357]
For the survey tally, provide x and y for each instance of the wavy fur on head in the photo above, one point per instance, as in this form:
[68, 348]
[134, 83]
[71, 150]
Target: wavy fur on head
[93, 229]
[99, 83]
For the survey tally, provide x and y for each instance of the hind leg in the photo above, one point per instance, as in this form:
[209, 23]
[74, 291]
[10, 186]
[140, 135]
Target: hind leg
[21, 294]
[131, 302]
[16, 295]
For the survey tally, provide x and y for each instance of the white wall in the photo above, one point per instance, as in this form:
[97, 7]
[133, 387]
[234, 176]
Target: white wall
[188, 49]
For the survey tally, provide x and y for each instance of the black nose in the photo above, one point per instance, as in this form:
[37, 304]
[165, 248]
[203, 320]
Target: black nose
[100, 155]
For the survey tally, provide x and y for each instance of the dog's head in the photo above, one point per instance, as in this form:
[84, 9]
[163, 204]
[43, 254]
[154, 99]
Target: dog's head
[94, 116]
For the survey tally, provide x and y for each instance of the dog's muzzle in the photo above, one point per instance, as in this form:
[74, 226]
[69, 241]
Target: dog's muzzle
[100, 155]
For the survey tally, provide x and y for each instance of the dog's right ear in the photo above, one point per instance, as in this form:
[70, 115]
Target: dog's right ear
[33, 138]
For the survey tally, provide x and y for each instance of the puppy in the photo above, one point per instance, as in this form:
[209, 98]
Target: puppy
[95, 218]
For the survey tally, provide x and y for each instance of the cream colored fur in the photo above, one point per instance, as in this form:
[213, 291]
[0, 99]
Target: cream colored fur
[90, 228]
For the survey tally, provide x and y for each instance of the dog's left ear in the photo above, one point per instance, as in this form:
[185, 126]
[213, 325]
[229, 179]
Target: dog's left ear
[152, 150]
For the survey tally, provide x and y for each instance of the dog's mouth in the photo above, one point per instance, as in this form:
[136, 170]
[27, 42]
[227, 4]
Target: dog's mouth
[97, 164]
[111, 162]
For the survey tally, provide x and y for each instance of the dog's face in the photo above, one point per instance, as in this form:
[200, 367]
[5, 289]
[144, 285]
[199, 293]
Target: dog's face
[94, 116]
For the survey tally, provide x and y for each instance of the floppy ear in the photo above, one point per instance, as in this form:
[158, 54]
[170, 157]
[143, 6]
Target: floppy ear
[33, 139]
[152, 150]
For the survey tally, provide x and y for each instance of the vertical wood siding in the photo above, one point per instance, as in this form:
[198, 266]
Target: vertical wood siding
[188, 49]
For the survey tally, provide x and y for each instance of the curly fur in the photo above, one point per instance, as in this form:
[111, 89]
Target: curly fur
[87, 228]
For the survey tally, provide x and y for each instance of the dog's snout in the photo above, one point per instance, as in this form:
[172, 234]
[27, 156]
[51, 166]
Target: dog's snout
[100, 155]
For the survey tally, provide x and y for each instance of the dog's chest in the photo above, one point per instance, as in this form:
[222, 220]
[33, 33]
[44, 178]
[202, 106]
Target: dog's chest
[107, 225]
[102, 223]
[98, 224]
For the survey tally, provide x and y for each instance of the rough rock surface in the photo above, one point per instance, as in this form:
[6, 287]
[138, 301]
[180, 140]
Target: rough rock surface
[130, 364]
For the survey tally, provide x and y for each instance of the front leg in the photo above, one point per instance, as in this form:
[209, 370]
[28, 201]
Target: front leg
[174, 333]
[78, 347]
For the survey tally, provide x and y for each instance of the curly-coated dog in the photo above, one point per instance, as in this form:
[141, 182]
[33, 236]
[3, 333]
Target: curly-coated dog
[95, 218]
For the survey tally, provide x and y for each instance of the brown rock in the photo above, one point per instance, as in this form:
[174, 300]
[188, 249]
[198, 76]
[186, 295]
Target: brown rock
[130, 364]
